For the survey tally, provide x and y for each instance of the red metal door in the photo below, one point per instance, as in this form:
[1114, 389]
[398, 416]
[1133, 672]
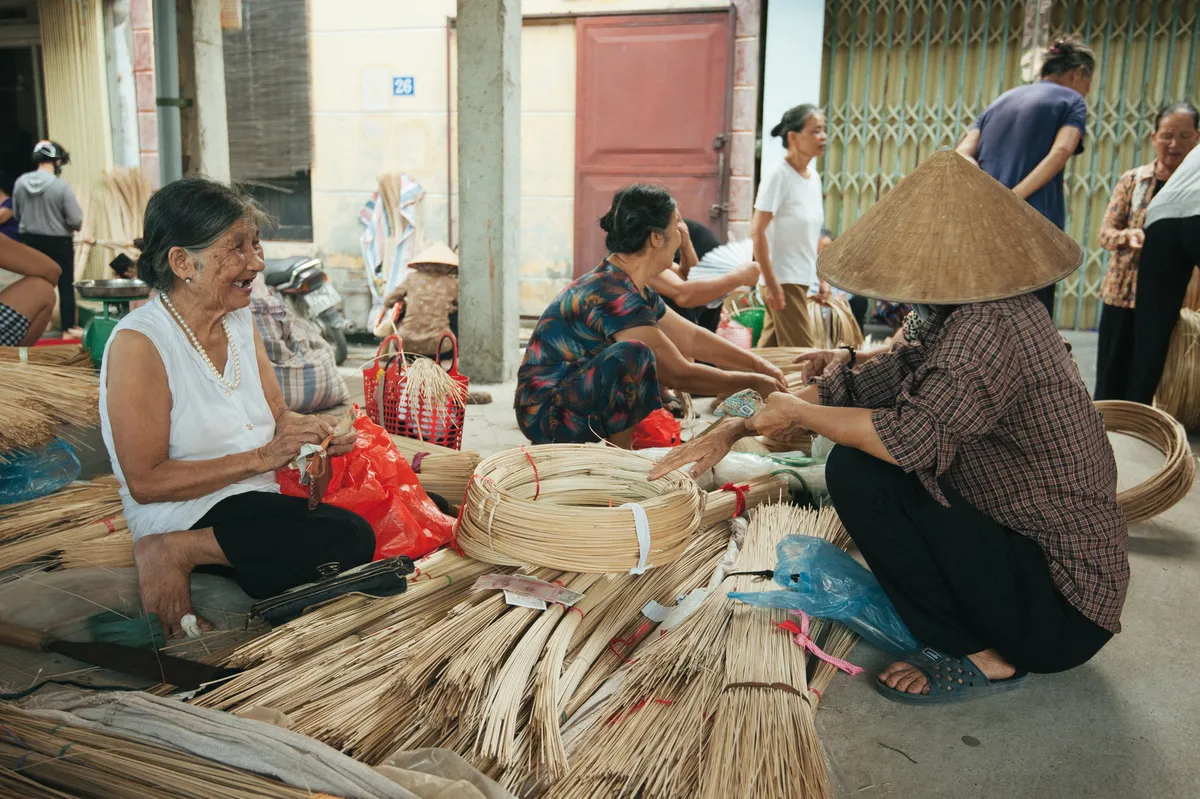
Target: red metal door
[652, 106]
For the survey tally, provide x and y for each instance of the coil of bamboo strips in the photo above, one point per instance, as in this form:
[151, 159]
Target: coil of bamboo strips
[1179, 388]
[1171, 483]
[558, 506]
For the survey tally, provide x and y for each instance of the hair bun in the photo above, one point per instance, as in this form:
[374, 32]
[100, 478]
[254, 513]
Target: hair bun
[606, 222]
[777, 130]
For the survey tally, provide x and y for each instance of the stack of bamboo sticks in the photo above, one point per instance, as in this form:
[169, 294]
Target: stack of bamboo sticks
[43, 528]
[444, 666]
[720, 706]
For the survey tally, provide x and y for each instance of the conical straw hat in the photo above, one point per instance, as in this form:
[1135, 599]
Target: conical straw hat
[436, 253]
[949, 234]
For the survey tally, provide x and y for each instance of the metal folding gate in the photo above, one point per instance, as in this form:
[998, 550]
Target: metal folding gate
[905, 77]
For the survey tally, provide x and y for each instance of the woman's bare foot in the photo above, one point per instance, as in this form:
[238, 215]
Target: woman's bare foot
[165, 580]
[908, 678]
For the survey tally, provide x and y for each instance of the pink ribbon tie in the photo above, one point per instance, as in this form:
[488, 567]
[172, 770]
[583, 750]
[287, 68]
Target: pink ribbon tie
[800, 636]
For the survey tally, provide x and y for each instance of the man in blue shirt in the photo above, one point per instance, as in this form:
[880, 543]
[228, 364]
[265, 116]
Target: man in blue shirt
[1026, 136]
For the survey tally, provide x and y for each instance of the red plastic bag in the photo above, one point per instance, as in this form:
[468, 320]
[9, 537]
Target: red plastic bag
[376, 482]
[659, 429]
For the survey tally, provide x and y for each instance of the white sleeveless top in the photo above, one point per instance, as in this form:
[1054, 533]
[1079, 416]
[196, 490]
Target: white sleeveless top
[208, 420]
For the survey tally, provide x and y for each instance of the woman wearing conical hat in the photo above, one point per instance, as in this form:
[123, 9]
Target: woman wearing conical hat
[972, 469]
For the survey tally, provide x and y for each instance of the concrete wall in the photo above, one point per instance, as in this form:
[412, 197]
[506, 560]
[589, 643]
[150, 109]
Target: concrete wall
[361, 130]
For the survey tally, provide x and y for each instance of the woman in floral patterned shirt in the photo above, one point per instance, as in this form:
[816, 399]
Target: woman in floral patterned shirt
[600, 352]
[1175, 134]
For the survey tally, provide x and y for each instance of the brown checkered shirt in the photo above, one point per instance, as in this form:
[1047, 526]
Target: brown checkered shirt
[992, 403]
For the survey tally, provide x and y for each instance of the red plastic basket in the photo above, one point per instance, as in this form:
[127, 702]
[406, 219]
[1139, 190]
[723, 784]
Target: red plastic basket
[385, 390]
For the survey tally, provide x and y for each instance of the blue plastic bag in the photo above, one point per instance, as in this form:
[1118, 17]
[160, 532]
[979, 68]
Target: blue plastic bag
[826, 583]
[30, 475]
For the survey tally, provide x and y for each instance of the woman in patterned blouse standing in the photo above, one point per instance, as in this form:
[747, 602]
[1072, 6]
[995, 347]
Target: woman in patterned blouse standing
[1175, 134]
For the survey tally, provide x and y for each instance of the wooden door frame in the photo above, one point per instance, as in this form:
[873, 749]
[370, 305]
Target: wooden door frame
[647, 19]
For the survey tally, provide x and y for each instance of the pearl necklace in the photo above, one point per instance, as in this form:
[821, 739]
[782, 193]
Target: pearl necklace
[237, 366]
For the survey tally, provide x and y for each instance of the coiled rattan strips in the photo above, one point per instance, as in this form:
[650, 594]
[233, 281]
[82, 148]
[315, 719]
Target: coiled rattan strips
[1173, 480]
[574, 507]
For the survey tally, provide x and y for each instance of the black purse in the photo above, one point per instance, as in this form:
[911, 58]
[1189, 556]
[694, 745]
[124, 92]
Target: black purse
[382, 578]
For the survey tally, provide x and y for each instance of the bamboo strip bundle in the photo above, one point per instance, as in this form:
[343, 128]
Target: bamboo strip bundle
[721, 504]
[1179, 389]
[44, 527]
[112, 551]
[471, 666]
[520, 501]
[547, 755]
[763, 741]
[25, 428]
[499, 731]
[654, 726]
[90, 763]
[35, 547]
[410, 446]
[596, 659]
[68, 394]
[65, 356]
[1171, 483]
[839, 328]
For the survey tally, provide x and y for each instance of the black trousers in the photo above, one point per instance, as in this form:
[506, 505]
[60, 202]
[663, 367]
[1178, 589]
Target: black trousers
[275, 542]
[1114, 353]
[62, 251]
[961, 581]
[1171, 249]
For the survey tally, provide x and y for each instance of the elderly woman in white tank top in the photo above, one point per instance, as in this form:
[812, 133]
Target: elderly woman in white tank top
[195, 422]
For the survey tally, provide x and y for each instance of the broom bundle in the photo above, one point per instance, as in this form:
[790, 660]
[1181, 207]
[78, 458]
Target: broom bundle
[112, 551]
[1179, 388]
[67, 394]
[44, 757]
[1171, 483]
[43, 527]
[24, 428]
[520, 502]
[67, 356]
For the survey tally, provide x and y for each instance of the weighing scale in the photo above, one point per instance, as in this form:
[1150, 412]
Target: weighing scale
[115, 295]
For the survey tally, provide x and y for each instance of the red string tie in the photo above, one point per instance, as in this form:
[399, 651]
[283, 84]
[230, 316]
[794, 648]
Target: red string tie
[800, 633]
[629, 643]
[537, 483]
[416, 461]
[741, 492]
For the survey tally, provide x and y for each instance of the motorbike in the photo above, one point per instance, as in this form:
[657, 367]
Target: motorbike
[303, 281]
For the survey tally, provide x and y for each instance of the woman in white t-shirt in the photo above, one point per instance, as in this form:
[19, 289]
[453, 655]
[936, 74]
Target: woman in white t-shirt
[789, 213]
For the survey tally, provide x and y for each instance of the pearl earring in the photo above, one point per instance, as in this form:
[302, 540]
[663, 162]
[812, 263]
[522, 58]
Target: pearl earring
[187, 280]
